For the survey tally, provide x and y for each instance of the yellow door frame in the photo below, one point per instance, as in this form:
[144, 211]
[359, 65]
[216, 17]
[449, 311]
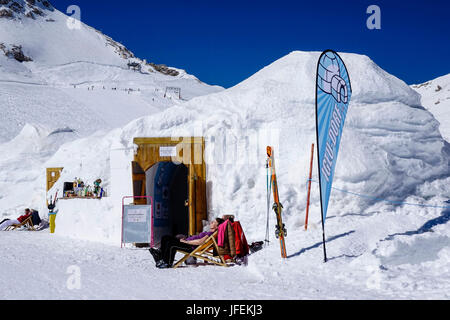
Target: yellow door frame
[188, 151]
[53, 175]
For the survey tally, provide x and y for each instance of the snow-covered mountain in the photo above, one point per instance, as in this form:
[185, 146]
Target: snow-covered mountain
[436, 98]
[58, 74]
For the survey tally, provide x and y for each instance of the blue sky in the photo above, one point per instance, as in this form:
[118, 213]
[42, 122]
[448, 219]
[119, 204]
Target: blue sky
[225, 42]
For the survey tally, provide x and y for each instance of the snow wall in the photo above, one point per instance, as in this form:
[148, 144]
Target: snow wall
[391, 148]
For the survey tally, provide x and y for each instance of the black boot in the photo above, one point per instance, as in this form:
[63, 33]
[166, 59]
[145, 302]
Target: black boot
[163, 265]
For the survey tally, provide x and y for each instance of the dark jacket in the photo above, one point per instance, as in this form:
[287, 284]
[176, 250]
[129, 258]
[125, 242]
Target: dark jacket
[35, 219]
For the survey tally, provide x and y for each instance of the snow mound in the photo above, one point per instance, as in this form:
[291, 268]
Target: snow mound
[390, 148]
[21, 166]
[370, 83]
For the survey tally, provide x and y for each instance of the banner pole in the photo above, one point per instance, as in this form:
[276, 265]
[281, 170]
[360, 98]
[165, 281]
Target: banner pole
[318, 171]
[323, 223]
[323, 240]
[309, 186]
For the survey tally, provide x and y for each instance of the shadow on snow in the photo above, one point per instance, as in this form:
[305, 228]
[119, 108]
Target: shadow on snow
[320, 243]
[427, 227]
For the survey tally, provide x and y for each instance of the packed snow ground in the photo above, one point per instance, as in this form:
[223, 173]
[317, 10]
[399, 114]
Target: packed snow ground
[408, 266]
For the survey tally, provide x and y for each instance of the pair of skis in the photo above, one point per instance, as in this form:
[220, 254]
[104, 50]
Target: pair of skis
[52, 204]
[280, 229]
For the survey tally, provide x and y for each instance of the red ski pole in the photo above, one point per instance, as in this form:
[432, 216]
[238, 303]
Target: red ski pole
[309, 186]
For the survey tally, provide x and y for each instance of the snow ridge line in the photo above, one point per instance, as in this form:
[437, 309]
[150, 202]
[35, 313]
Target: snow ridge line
[23, 82]
[87, 62]
[385, 200]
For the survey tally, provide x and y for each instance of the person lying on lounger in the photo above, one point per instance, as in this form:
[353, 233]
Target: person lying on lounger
[7, 222]
[169, 245]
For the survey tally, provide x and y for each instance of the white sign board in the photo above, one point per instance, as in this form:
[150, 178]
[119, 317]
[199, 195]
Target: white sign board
[137, 215]
[168, 151]
[137, 224]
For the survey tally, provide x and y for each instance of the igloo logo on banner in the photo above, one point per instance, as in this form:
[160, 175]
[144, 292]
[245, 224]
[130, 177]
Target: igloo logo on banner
[333, 95]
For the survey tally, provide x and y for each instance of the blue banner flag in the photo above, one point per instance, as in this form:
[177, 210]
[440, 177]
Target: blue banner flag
[333, 95]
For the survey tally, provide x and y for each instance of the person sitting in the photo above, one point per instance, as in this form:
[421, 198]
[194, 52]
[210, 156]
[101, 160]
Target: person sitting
[7, 223]
[165, 256]
[35, 218]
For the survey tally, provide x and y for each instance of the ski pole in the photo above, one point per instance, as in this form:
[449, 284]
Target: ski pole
[56, 197]
[269, 187]
[309, 186]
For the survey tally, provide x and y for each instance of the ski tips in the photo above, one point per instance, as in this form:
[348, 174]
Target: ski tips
[269, 151]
